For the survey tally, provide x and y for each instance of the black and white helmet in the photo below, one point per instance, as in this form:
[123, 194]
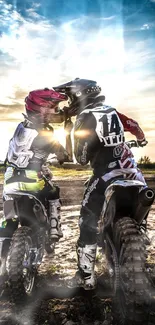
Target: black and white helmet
[81, 93]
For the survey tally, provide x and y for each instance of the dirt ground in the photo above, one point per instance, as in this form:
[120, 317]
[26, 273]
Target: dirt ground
[53, 302]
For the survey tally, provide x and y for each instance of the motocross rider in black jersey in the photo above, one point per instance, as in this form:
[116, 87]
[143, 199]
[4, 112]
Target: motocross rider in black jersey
[31, 144]
[98, 139]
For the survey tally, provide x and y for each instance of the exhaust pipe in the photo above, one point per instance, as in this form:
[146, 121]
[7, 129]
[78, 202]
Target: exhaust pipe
[145, 200]
[38, 211]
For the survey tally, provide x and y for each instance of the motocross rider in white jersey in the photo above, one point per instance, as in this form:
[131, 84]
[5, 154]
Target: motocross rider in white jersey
[98, 139]
[32, 142]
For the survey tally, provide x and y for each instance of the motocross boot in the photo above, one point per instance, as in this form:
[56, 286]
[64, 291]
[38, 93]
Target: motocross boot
[85, 277]
[54, 218]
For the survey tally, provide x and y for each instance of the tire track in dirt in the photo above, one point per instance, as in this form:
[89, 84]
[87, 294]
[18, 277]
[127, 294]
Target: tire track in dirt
[68, 306]
[53, 303]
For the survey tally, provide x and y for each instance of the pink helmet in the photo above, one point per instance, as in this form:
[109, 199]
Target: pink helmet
[41, 104]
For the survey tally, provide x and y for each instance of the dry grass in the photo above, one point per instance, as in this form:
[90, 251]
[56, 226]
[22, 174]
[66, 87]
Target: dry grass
[1, 177]
[148, 171]
[63, 172]
[70, 172]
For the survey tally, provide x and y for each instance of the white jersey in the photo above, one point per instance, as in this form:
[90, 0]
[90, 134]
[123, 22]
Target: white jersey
[19, 152]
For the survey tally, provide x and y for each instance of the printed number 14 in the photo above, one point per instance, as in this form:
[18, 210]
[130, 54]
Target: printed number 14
[110, 127]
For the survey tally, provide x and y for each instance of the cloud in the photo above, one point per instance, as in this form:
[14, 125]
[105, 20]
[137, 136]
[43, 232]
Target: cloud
[14, 105]
[91, 46]
[145, 26]
[37, 52]
[11, 112]
[108, 18]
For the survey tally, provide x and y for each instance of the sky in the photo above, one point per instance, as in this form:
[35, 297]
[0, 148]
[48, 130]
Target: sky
[46, 43]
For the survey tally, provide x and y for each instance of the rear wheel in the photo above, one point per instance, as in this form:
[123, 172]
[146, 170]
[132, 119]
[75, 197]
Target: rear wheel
[21, 273]
[132, 296]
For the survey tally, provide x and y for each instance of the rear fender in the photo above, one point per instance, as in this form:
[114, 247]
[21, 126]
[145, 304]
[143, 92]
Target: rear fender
[4, 248]
[9, 209]
[125, 183]
[31, 211]
[109, 207]
[25, 206]
[1, 247]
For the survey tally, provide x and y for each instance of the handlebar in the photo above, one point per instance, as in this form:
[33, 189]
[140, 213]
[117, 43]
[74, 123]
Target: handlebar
[132, 143]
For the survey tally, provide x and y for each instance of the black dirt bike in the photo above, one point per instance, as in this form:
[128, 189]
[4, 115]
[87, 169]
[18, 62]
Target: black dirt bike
[24, 235]
[122, 233]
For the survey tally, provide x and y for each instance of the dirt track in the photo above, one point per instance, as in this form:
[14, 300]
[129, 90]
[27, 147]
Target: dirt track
[53, 302]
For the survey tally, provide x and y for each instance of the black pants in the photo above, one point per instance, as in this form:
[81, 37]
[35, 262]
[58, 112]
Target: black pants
[49, 193]
[92, 205]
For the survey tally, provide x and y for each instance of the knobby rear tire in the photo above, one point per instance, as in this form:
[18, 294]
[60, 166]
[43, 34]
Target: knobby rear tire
[132, 297]
[21, 242]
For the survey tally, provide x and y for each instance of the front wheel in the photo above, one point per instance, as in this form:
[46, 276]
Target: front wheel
[21, 273]
[132, 296]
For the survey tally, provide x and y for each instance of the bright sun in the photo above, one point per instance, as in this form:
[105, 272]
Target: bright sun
[60, 135]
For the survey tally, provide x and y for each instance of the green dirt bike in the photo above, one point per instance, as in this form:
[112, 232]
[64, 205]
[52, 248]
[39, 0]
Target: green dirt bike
[24, 236]
[122, 234]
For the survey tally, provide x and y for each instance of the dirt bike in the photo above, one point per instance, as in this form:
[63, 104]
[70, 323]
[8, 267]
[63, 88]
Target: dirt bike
[123, 238]
[24, 235]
